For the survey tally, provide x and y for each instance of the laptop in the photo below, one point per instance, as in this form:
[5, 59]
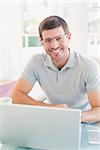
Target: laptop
[40, 127]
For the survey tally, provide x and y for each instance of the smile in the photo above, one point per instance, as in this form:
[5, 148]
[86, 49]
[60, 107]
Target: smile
[56, 52]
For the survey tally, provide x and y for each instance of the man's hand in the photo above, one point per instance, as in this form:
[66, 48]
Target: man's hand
[61, 105]
[91, 116]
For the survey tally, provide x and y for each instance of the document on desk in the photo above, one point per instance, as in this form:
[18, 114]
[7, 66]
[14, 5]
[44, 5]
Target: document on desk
[94, 136]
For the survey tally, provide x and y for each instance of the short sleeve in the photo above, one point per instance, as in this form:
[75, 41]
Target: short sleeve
[92, 76]
[29, 72]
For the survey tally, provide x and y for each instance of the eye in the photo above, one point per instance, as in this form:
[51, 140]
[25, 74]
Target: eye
[48, 40]
[58, 39]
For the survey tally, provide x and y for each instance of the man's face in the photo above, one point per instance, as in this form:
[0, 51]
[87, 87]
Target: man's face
[55, 43]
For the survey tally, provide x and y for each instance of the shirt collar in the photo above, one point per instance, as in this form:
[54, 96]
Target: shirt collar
[48, 62]
[71, 60]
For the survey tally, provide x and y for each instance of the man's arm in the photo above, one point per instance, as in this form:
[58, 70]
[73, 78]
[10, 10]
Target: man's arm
[92, 115]
[20, 95]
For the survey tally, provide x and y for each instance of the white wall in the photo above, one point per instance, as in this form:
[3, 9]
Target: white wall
[10, 37]
[78, 23]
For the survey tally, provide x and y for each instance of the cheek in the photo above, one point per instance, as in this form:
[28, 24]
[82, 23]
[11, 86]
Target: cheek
[46, 48]
[65, 44]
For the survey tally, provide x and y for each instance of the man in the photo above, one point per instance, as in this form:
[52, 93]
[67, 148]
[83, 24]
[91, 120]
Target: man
[67, 78]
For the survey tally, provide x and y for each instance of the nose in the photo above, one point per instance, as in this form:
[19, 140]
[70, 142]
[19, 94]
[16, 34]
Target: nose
[54, 44]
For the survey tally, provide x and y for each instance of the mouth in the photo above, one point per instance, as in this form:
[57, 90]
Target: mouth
[57, 52]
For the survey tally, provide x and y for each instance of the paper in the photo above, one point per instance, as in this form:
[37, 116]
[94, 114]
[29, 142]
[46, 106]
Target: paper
[94, 136]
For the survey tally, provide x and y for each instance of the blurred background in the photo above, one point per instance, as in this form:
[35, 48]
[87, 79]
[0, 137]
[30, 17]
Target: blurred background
[19, 21]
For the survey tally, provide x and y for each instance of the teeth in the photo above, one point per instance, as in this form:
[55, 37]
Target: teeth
[57, 51]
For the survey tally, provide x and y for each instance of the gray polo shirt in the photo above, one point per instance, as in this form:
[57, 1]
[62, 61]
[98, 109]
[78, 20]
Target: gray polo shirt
[70, 84]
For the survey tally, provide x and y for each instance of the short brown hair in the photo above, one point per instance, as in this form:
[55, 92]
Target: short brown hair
[52, 22]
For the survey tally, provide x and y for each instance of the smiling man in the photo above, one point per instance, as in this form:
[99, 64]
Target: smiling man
[68, 79]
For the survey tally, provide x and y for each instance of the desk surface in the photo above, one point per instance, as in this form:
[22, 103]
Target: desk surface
[84, 141]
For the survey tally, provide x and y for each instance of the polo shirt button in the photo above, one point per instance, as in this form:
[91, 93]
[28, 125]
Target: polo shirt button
[59, 73]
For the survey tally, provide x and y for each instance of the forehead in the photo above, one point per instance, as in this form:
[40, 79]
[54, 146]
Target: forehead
[50, 33]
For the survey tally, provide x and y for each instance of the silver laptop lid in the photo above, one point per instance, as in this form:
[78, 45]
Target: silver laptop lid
[40, 127]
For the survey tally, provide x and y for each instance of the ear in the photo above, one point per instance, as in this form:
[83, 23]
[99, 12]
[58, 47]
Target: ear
[41, 42]
[69, 35]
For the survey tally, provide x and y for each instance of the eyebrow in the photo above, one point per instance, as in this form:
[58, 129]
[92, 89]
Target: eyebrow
[55, 36]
